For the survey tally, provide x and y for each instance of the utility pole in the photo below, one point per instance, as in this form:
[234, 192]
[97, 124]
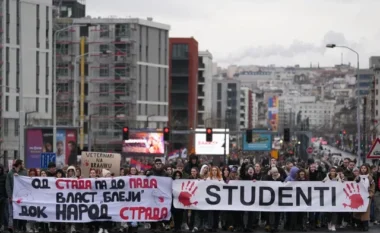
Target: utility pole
[225, 136]
[364, 128]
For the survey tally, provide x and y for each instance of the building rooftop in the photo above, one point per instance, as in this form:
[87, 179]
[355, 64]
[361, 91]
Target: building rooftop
[98, 21]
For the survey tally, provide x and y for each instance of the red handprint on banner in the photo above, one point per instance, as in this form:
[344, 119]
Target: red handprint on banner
[188, 190]
[353, 193]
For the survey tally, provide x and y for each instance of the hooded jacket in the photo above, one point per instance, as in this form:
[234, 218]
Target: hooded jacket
[292, 174]
[74, 173]
[105, 173]
[189, 165]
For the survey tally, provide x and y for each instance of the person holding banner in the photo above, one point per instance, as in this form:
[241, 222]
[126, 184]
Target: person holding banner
[17, 169]
[332, 176]
[177, 213]
[273, 218]
[215, 174]
[362, 219]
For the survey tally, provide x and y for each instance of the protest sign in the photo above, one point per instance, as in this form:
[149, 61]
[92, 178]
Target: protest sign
[99, 161]
[120, 199]
[271, 196]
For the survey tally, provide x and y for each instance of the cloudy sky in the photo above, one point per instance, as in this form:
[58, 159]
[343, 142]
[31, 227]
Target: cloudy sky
[263, 32]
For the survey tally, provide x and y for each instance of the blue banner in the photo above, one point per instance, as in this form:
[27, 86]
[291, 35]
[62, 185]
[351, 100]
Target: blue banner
[261, 141]
[46, 158]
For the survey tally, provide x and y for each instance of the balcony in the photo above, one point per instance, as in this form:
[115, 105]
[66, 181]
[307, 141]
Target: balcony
[180, 88]
[201, 94]
[182, 72]
[201, 108]
[201, 80]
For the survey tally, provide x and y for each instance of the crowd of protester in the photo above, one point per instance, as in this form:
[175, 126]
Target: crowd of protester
[267, 169]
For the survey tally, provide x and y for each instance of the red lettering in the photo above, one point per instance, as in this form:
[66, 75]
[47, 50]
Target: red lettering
[144, 213]
[145, 183]
[122, 213]
[73, 184]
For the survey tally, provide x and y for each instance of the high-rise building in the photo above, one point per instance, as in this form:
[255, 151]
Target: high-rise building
[225, 104]
[246, 108]
[205, 73]
[125, 77]
[183, 89]
[26, 58]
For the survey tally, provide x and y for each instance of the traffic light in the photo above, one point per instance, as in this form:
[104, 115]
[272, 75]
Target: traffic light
[248, 135]
[209, 135]
[344, 132]
[340, 133]
[125, 133]
[286, 135]
[166, 134]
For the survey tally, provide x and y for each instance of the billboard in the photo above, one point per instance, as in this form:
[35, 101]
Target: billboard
[261, 141]
[40, 140]
[143, 143]
[216, 147]
[273, 113]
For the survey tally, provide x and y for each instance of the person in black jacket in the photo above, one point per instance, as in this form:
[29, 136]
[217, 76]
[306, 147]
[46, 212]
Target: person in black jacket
[193, 162]
[177, 213]
[3, 198]
[315, 175]
[157, 170]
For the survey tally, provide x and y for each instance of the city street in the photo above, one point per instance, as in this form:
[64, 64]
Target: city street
[336, 150]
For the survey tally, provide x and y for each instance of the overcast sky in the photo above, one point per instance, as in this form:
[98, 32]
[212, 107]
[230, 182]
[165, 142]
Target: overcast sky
[263, 32]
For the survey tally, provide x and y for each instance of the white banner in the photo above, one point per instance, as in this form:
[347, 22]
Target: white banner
[216, 147]
[271, 196]
[120, 199]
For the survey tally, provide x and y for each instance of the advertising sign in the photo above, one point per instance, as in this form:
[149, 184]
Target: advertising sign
[46, 158]
[273, 105]
[40, 140]
[261, 141]
[216, 147]
[143, 143]
[100, 161]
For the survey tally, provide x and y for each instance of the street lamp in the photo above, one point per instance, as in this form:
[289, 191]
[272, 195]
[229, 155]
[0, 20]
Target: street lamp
[357, 89]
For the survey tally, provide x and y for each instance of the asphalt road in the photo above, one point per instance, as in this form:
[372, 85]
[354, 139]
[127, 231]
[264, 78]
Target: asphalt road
[336, 150]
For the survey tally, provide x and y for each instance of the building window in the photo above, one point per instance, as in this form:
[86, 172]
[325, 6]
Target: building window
[46, 105]
[103, 110]
[17, 103]
[104, 31]
[104, 70]
[104, 89]
[37, 104]
[180, 51]
[7, 103]
[16, 127]
[38, 26]
[6, 127]
[63, 69]
[219, 91]
[103, 48]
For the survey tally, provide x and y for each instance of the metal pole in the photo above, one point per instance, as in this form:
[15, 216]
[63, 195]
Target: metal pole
[75, 90]
[89, 133]
[21, 149]
[364, 128]
[225, 137]
[358, 107]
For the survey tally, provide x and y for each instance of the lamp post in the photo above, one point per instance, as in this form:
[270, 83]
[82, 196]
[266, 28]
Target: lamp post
[54, 110]
[75, 112]
[358, 95]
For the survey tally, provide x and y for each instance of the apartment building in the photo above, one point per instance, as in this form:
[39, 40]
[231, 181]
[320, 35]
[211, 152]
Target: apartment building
[125, 77]
[183, 91]
[69, 8]
[225, 104]
[246, 108]
[205, 74]
[25, 60]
